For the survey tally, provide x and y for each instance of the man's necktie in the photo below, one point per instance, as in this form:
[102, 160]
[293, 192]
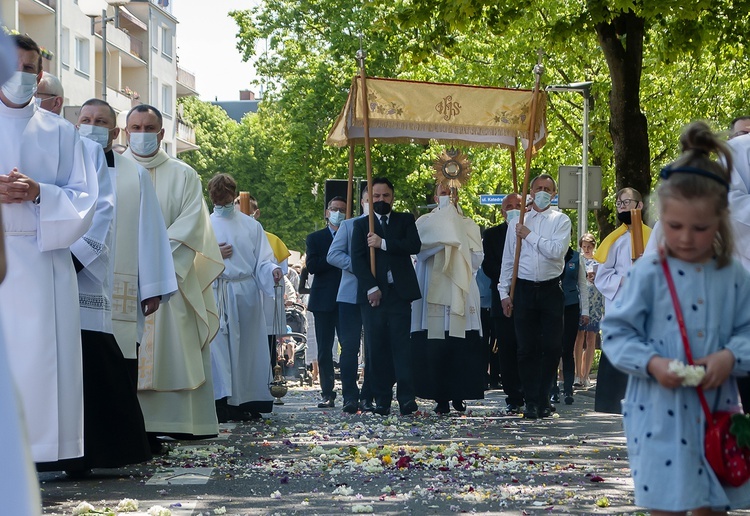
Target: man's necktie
[384, 224]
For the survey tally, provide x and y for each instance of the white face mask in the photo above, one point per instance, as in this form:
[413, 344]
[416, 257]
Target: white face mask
[365, 208]
[224, 211]
[96, 133]
[336, 217]
[20, 87]
[512, 214]
[144, 144]
[542, 199]
[443, 201]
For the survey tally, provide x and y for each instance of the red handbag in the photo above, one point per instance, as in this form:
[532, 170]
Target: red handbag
[729, 460]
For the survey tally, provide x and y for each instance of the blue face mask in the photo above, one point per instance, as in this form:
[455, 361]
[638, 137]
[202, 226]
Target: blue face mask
[512, 214]
[144, 144]
[96, 133]
[542, 199]
[336, 217]
[20, 87]
[224, 211]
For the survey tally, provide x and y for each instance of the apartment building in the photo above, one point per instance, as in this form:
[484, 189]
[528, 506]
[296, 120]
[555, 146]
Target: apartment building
[126, 57]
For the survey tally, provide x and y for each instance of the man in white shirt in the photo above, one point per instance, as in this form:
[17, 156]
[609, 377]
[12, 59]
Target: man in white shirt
[538, 302]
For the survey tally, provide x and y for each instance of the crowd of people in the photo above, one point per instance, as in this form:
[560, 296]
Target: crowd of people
[169, 319]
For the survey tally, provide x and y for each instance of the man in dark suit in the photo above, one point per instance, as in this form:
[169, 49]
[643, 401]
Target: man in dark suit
[385, 298]
[493, 242]
[323, 292]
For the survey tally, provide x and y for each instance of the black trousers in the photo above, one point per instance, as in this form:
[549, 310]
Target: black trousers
[350, 322]
[507, 353]
[538, 311]
[326, 326]
[387, 331]
[488, 341]
[571, 318]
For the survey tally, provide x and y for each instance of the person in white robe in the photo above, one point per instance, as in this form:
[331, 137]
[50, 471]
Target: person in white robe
[48, 196]
[615, 257]
[107, 394]
[240, 356]
[144, 273]
[17, 476]
[175, 386]
[445, 323]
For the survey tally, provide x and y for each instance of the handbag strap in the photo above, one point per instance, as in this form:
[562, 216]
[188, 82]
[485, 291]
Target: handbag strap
[683, 334]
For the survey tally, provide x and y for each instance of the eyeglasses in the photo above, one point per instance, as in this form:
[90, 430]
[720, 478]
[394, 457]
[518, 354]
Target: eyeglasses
[624, 203]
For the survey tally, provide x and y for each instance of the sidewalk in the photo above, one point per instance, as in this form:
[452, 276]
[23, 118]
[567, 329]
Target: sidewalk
[304, 460]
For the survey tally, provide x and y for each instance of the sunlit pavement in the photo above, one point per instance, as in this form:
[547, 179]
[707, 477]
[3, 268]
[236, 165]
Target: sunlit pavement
[305, 460]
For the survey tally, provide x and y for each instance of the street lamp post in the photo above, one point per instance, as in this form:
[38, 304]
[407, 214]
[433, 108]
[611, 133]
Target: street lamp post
[98, 9]
[584, 88]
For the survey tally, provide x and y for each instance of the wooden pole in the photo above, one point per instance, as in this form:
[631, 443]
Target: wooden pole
[245, 202]
[636, 234]
[538, 70]
[351, 181]
[368, 160]
[513, 167]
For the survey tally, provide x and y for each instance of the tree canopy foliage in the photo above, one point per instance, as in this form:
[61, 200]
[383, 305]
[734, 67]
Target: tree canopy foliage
[655, 67]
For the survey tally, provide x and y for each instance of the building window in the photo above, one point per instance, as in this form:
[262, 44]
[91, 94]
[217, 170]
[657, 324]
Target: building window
[155, 35]
[65, 47]
[166, 100]
[82, 56]
[166, 43]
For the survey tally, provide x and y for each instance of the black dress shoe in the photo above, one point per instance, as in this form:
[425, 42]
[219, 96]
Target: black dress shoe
[366, 406]
[442, 407]
[382, 410]
[350, 407]
[237, 414]
[569, 399]
[555, 398]
[410, 407]
[546, 411]
[530, 413]
[459, 405]
[510, 408]
[326, 403]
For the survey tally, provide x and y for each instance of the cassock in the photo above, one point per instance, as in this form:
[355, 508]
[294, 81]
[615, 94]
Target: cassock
[616, 259]
[109, 393]
[445, 322]
[143, 257]
[239, 353]
[40, 293]
[175, 387]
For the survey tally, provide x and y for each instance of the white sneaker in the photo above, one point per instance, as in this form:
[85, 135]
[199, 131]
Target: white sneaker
[577, 382]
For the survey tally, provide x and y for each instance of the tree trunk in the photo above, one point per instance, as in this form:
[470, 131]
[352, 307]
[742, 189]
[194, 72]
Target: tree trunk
[621, 41]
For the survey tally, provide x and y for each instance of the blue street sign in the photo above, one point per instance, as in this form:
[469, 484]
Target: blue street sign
[490, 199]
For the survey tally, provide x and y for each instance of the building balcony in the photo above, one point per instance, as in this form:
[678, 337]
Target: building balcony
[37, 7]
[185, 137]
[185, 83]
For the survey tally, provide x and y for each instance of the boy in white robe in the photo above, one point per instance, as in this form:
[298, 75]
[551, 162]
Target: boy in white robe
[240, 356]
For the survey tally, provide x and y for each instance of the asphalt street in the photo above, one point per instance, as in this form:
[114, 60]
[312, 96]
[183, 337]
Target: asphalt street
[305, 460]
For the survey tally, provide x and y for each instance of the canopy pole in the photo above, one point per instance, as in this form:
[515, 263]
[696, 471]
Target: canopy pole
[513, 166]
[350, 182]
[538, 71]
[368, 160]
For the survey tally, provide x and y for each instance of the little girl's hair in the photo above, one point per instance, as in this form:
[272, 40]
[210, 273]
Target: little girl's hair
[587, 237]
[695, 175]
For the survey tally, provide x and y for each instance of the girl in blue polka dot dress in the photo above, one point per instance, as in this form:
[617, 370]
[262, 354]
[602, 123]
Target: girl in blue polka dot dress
[663, 419]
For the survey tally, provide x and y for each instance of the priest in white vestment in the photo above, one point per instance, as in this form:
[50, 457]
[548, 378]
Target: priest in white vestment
[239, 352]
[144, 273]
[48, 196]
[175, 387]
[615, 257]
[17, 475]
[445, 323]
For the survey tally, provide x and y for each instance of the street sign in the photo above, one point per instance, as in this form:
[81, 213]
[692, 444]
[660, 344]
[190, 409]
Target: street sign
[569, 187]
[490, 199]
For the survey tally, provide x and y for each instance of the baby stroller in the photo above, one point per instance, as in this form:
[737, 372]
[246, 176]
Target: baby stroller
[294, 342]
